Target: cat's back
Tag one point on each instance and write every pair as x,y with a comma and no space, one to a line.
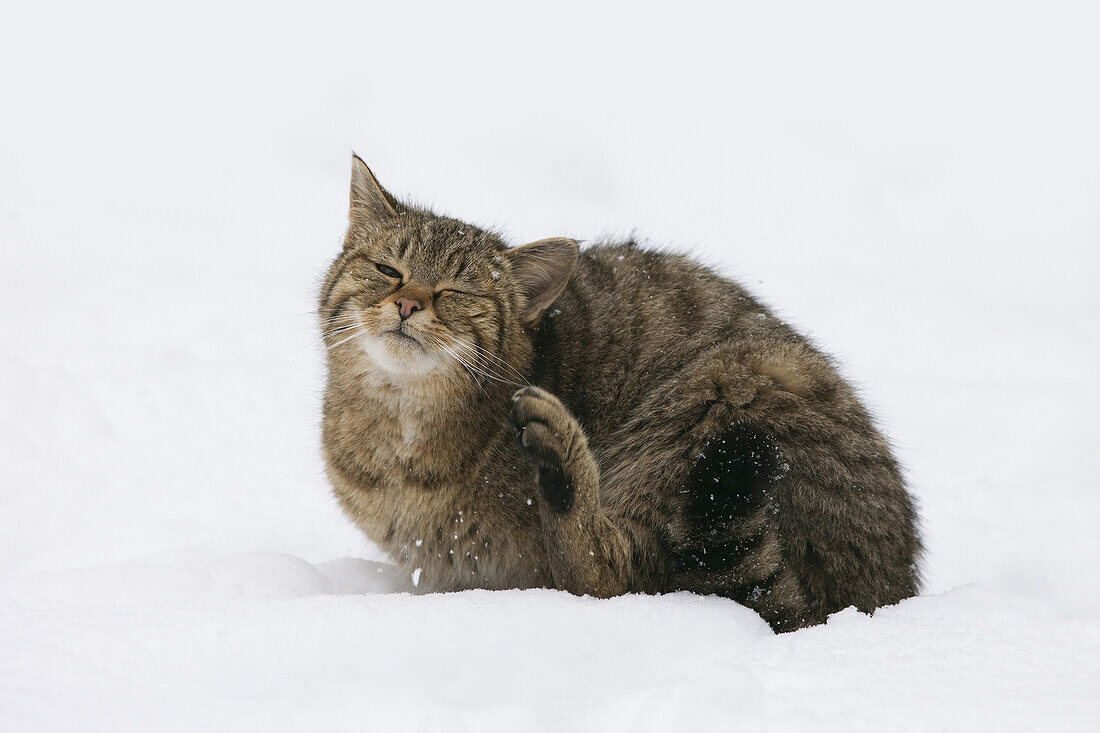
631,318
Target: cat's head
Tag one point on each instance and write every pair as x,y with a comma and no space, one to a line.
415,296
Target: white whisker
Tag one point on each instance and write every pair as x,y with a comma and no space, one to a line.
355,334
334,331
470,367
476,351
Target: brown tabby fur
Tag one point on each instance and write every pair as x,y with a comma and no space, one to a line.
672,433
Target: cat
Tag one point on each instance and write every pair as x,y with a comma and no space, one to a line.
606,421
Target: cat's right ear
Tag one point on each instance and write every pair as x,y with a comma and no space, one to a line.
370,204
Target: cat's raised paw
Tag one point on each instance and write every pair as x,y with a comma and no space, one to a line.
544,428
545,436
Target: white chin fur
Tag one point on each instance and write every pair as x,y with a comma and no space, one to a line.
396,357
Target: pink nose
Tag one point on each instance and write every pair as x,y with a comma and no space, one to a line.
408,306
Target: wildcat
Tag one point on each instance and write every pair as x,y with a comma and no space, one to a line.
609,421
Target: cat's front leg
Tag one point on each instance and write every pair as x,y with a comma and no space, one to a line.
588,552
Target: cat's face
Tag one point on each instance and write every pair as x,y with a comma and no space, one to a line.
420,294
416,295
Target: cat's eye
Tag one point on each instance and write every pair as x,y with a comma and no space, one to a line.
387,270
452,291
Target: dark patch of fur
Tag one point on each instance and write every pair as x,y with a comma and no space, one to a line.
557,488
734,474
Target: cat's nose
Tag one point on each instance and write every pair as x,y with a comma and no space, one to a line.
408,306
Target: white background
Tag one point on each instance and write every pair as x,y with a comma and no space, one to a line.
916,188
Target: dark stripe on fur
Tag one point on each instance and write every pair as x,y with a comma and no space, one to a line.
340,268
499,324
751,592
340,306
720,556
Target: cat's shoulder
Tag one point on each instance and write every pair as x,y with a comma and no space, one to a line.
631,265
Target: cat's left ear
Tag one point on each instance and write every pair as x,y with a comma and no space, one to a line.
541,270
370,204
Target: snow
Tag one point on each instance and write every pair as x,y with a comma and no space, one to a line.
914,188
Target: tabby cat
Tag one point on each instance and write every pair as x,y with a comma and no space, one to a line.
610,421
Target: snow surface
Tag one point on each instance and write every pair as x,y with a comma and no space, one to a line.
916,188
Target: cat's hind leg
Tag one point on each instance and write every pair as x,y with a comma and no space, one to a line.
730,544
840,531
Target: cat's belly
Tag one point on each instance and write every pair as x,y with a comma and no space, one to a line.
449,538
455,565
